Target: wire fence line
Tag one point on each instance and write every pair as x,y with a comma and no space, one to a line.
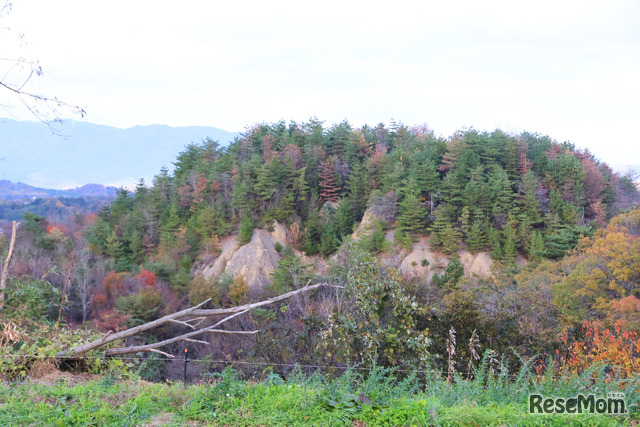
270,364
228,362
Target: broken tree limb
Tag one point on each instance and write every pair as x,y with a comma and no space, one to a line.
229,318
193,311
180,322
196,341
188,323
5,267
110,337
185,337
232,310
153,350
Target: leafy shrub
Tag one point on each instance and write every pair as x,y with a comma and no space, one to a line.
379,325
33,299
143,306
202,289
238,291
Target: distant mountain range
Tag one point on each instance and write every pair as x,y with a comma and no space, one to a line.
18,190
85,153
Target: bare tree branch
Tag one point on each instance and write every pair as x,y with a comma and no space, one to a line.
180,322
173,318
19,72
185,337
153,350
229,318
196,341
110,336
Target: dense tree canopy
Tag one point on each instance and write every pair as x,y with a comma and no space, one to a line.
516,197
511,193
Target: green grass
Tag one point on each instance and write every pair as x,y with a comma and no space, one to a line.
375,399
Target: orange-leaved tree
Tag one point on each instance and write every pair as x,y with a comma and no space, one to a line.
615,348
604,269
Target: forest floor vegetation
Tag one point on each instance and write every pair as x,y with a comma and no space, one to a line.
375,398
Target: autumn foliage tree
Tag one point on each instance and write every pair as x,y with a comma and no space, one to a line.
329,190
614,348
607,268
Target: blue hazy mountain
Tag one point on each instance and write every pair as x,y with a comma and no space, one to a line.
18,191
82,153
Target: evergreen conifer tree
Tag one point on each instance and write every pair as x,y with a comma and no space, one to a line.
449,239
328,187
246,229
344,217
465,221
412,217
477,239
494,242
509,249
536,246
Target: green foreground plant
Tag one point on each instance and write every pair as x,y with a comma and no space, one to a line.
378,396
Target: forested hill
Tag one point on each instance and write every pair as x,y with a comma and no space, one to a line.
518,203
504,193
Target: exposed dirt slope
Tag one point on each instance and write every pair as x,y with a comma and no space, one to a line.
411,263
254,261
257,259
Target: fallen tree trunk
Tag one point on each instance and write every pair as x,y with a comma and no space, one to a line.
7,261
173,318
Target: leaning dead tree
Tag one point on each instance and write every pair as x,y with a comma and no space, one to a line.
190,317
5,266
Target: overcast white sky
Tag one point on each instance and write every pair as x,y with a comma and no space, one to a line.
569,69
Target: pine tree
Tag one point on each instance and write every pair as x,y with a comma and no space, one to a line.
529,202
359,190
439,223
449,239
454,149
465,219
412,217
290,273
114,246
524,233
536,246
494,242
171,221
477,239
509,249
427,177
443,235
328,243
265,186
246,230
328,188
240,198
502,194
377,240
300,190
344,217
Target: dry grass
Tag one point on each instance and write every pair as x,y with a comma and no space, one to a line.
9,334
46,372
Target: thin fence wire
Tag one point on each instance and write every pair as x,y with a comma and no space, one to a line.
270,364
227,362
